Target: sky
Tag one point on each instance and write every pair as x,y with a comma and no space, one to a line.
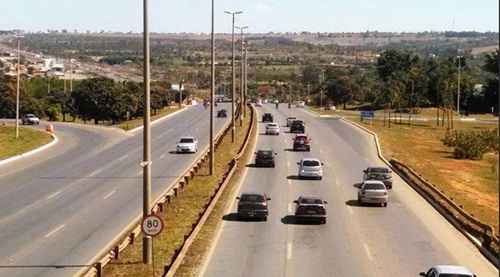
169,16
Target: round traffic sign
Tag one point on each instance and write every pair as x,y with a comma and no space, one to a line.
152,225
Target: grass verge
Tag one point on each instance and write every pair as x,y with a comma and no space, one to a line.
179,215
131,124
472,184
29,139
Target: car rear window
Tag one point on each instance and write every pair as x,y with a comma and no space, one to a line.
252,198
310,163
265,153
187,140
374,186
311,201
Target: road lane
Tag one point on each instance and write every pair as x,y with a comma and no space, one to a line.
77,193
401,240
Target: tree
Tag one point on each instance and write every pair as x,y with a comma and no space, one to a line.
491,65
340,91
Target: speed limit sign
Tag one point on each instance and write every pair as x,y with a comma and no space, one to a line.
152,225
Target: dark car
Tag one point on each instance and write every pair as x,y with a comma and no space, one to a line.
298,127
379,174
301,143
289,121
222,113
310,208
264,158
253,205
267,117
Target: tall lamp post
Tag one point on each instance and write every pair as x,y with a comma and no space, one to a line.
233,129
458,82
212,93
245,81
147,249
242,74
18,82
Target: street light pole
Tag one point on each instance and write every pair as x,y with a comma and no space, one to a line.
18,82
246,82
233,129
180,94
458,87
147,249
212,94
242,73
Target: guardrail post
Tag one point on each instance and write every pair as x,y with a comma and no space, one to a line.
486,239
98,267
117,252
132,238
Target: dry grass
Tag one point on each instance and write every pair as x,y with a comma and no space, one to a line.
131,124
179,216
29,139
473,184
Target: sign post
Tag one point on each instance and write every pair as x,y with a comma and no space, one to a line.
152,225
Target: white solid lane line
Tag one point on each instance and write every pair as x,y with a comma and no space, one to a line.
54,194
289,251
368,253
122,158
109,194
59,228
95,172
163,156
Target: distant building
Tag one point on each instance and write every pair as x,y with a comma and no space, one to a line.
175,87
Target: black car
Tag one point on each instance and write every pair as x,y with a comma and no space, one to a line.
298,127
222,113
264,158
310,208
267,117
379,174
253,205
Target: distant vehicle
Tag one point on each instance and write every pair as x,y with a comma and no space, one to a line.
448,271
289,121
30,119
310,208
272,129
380,174
301,143
310,168
265,158
267,117
266,101
373,192
258,103
300,104
298,127
187,145
253,205
222,114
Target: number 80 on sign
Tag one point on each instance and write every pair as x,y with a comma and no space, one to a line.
152,225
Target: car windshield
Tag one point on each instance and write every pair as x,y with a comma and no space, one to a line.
374,186
310,201
30,115
252,198
378,170
310,163
186,140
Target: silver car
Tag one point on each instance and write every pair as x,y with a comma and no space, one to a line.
373,192
30,119
272,129
310,168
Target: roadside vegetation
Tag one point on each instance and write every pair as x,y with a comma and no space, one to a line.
29,139
182,212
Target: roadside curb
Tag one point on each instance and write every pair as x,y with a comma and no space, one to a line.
156,121
54,141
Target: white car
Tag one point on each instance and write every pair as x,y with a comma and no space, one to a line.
448,270
272,129
30,119
187,145
300,104
310,168
373,192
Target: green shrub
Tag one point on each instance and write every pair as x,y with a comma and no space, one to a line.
449,139
471,144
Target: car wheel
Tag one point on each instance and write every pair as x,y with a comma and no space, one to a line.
320,178
264,218
323,221
385,204
360,203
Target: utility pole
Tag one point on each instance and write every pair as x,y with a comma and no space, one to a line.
212,93
70,75
322,77
458,87
233,129
242,73
246,81
147,246
308,92
180,93
18,82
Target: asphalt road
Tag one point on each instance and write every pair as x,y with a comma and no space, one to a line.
63,205
405,238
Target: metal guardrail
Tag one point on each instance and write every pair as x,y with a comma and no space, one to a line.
131,231
464,221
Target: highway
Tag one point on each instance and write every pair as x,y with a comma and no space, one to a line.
405,238
63,205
